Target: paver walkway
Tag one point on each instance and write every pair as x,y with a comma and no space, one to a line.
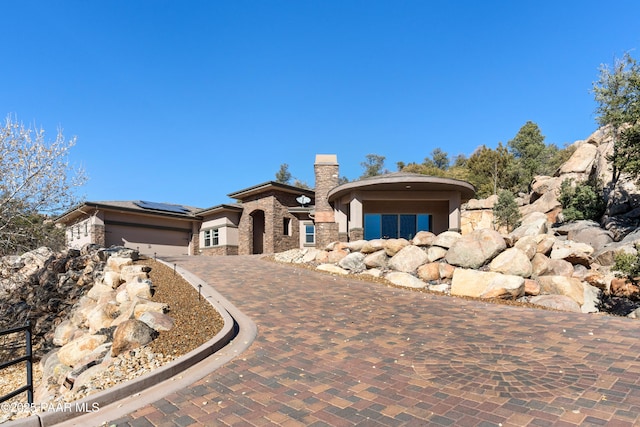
342,352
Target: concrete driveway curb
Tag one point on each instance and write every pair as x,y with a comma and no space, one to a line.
238,332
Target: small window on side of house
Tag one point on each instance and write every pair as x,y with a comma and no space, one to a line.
309,234
286,226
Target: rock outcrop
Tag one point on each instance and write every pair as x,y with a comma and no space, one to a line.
589,160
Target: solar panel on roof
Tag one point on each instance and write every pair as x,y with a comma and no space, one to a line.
165,207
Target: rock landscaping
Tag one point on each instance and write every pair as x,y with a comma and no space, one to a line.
115,317
544,261
544,269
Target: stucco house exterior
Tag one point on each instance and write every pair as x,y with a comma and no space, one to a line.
273,217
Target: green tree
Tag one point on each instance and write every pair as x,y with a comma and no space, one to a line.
581,201
36,183
373,166
530,152
506,212
488,170
439,159
283,175
617,94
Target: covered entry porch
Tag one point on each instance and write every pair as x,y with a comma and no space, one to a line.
398,205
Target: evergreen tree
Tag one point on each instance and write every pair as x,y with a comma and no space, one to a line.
283,175
530,152
506,212
617,94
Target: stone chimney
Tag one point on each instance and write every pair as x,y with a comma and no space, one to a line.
326,174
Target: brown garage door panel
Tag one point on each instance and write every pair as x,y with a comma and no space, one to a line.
148,241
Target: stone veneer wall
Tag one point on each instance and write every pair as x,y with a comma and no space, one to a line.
97,234
219,250
275,205
356,234
326,176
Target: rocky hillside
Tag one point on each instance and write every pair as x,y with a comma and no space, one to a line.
87,307
588,160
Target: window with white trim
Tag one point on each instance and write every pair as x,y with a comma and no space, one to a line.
211,237
309,234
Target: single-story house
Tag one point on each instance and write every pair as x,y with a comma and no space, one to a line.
274,217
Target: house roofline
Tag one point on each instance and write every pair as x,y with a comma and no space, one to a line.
120,206
269,185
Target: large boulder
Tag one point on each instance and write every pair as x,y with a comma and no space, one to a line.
405,280
581,161
157,321
353,262
429,272
475,249
434,253
116,263
528,245
482,284
561,285
72,352
607,254
588,232
532,224
130,273
574,252
372,246
543,266
131,334
378,259
393,246
556,302
446,239
408,259
356,245
512,261
547,203
423,238
545,184
139,288
475,219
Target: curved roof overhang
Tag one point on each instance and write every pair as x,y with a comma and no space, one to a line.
405,182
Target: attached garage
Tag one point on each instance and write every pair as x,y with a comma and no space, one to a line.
154,229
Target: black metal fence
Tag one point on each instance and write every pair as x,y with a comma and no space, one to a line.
27,357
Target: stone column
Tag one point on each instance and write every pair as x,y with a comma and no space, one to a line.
454,211
326,175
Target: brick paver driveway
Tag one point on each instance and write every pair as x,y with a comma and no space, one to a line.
341,352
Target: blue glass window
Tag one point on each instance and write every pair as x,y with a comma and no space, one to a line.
391,226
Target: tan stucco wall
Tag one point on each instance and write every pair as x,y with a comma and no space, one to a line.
227,225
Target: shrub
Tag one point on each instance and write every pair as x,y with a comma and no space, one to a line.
628,265
581,201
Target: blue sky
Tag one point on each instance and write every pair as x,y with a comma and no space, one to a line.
188,101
